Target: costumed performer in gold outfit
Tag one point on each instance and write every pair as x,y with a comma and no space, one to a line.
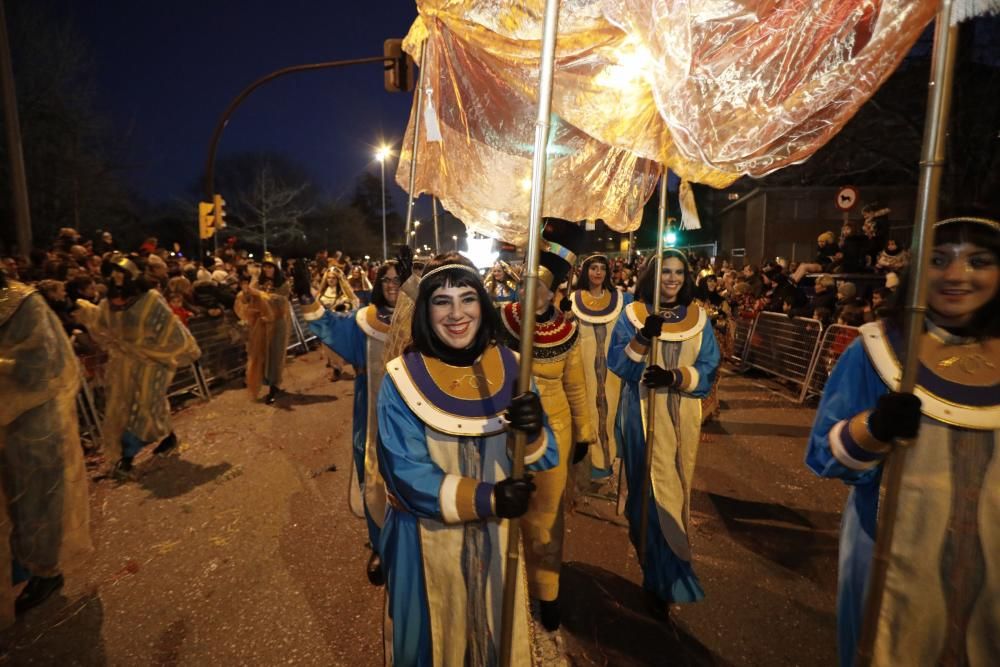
263,305
146,343
44,508
557,368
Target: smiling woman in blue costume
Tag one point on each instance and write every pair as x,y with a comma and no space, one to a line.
597,305
943,579
359,337
688,360
443,452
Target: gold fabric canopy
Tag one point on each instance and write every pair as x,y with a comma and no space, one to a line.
712,89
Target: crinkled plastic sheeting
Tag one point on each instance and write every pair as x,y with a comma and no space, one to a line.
750,87
714,90
482,95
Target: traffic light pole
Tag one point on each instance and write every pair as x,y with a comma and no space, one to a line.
245,93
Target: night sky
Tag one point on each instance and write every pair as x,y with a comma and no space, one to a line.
166,70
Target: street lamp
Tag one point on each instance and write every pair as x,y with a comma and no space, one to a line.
454,237
416,227
381,154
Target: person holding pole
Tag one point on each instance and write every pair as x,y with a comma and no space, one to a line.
557,368
939,605
445,413
688,360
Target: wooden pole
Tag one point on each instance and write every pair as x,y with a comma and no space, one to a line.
661,220
538,165
931,169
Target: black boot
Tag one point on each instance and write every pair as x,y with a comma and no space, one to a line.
38,590
374,570
272,394
549,612
169,443
123,469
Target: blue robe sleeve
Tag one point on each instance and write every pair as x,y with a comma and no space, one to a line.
410,474
341,333
853,387
619,362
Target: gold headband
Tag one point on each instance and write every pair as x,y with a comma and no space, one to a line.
986,222
446,267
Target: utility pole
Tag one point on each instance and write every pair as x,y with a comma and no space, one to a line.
18,177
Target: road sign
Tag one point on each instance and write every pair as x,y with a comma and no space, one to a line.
847,198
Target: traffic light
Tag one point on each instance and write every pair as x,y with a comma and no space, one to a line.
219,220
206,219
400,72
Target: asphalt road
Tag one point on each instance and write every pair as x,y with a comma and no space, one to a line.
241,549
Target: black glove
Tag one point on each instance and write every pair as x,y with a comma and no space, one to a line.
511,497
896,415
580,451
655,376
565,305
525,414
404,261
301,283
652,327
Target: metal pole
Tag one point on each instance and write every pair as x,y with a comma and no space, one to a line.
661,219
931,169
538,165
18,176
418,118
385,246
437,239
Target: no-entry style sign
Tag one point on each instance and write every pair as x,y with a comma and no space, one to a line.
847,197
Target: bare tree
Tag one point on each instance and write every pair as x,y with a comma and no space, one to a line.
271,212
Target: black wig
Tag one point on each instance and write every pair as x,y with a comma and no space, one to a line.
424,339
584,280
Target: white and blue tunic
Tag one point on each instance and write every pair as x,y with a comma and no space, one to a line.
443,445
688,345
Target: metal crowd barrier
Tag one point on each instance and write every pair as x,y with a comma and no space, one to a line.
303,335
223,346
835,340
785,347
744,329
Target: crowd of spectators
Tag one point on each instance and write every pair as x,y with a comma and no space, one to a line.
74,268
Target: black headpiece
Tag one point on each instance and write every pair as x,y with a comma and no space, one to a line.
560,241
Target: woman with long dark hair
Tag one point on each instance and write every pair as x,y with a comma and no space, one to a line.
943,577
358,337
444,414
597,303
687,361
